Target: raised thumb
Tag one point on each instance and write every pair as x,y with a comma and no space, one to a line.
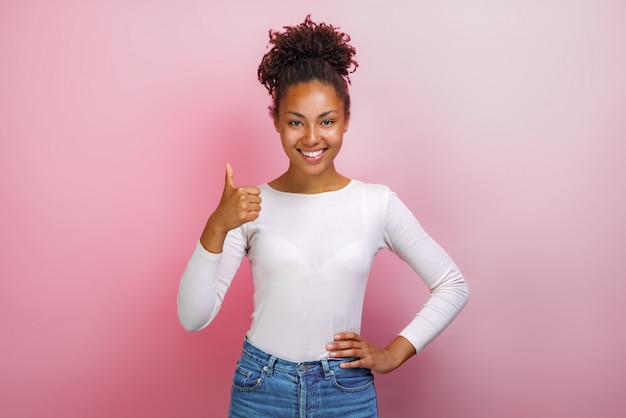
230,177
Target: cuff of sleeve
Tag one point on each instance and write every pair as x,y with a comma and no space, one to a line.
412,339
203,253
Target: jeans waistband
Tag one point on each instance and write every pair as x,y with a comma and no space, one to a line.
272,363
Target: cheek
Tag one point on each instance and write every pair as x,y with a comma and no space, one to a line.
288,140
338,137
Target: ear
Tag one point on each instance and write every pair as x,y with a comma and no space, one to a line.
345,125
276,126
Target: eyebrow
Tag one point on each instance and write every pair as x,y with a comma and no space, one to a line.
321,115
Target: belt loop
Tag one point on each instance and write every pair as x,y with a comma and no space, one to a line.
326,367
269,368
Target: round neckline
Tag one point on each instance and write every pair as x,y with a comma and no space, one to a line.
347,186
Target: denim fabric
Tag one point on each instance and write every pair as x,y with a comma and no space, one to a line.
266,386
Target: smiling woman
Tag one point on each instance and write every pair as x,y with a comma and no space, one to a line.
326,371
311,122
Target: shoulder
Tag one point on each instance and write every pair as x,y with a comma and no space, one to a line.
385,199
374,191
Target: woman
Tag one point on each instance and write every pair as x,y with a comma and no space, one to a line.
311,249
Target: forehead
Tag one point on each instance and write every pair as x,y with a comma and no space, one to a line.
312,95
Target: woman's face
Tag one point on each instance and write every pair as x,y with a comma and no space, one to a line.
311,122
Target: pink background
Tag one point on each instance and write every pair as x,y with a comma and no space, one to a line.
500,123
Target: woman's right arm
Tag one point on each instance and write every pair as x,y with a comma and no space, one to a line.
217,255
206,279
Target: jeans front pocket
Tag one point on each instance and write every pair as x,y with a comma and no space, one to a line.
352,380
248,376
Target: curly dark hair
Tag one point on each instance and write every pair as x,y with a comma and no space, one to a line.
306,52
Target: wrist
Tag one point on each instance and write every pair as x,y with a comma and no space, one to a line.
399,351
212,238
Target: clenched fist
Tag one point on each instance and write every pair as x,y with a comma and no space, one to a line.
237,206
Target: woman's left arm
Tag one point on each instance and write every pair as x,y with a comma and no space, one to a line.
449,294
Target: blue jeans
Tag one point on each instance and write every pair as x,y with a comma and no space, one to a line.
266,386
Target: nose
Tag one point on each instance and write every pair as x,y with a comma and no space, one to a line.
311,136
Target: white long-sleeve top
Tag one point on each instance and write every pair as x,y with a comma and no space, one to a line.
310,257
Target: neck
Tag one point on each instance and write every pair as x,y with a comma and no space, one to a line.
293,182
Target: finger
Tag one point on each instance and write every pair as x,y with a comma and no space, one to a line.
352,364
342,345
346,352
252,215
251,190
345,348
342,341
254,199
230,177
250,207
345,336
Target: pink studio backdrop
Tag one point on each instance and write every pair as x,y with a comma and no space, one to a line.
500,123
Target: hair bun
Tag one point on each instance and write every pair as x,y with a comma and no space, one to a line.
306,41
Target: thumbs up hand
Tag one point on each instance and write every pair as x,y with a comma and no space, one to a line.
237,206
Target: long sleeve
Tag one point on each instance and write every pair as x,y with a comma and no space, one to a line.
449,291
206,280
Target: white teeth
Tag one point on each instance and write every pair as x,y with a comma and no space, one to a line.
313,154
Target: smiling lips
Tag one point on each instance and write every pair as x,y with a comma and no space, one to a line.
313,154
